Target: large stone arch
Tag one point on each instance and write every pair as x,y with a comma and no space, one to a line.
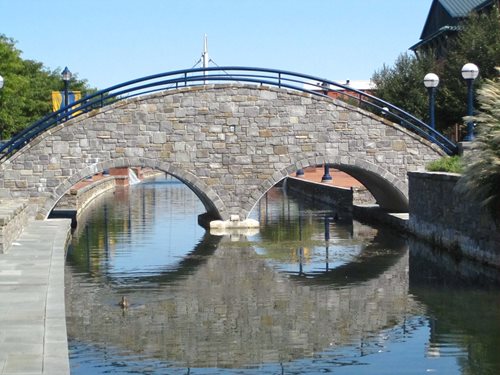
212,203
228,143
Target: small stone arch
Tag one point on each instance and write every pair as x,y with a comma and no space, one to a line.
390,192
214,206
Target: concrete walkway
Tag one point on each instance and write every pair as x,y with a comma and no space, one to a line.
33,336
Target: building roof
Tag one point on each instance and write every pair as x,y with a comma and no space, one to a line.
360,84
444,16
461,8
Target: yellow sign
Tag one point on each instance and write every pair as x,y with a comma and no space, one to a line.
58,99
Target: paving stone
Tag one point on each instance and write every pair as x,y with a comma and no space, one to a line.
33,337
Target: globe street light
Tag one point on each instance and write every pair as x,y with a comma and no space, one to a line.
1,82
431,81
66,76
469,73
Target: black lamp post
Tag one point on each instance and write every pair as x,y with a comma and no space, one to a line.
469,73
66,76
431,81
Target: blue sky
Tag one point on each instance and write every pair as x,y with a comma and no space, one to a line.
112,41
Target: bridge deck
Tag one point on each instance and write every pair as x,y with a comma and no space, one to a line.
32,313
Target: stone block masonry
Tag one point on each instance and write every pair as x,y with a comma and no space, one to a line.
439,214
14,216
78,199
228,143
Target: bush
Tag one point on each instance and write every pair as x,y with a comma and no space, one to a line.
451,164
481,178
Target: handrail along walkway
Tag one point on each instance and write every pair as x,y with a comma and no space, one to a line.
201,76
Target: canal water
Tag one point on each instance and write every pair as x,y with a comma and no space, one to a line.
306,294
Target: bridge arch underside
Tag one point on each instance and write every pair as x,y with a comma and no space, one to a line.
229,143
204,193
389,191
389,195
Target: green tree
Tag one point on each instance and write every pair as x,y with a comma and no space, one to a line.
478,41
481,179
26,95
402,84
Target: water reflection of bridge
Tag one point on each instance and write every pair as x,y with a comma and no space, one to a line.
288,320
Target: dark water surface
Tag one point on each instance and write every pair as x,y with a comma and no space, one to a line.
304,295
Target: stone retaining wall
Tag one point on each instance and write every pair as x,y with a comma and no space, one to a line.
361,195
441,215
78,199
350,202
14,216
332,196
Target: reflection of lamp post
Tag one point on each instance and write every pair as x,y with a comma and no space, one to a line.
327,239
431,81
66,76
469,73
301,260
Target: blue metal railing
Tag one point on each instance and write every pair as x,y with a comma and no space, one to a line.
200,76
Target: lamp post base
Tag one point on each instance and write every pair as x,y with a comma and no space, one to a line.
326,176
469,138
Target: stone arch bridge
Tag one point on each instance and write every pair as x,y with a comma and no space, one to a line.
229,141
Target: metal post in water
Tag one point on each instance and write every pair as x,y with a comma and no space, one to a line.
106,236
327,239
327,228
301,259
87,235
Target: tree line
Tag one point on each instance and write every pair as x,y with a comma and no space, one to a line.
26,95
477,41
27,92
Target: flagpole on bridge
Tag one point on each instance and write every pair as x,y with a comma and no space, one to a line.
204,57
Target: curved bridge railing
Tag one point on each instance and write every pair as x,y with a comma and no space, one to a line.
201,76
